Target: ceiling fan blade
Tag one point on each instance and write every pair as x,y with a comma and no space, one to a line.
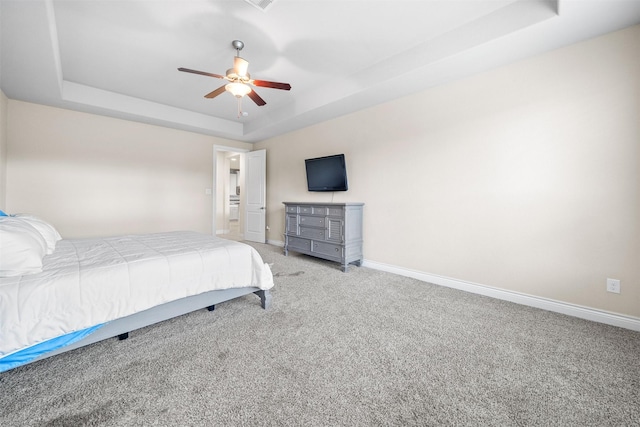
240,66
215,92
256,98
273,85
187,70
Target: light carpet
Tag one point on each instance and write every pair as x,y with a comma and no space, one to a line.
354,349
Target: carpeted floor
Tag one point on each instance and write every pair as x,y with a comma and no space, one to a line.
354,349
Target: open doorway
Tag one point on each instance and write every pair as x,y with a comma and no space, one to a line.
228,200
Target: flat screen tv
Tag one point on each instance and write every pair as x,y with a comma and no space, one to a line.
327,173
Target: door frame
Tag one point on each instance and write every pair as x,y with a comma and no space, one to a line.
216,150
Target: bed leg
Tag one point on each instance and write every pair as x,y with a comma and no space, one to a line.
265,298
211,307
123,336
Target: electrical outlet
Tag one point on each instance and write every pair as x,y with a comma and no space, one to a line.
613,285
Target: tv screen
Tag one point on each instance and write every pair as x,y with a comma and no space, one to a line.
327,173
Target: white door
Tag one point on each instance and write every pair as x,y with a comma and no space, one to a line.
256,196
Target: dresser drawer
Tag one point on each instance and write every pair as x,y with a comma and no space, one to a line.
298,243
308,210
327,249
319,210
292,209
312,233
335,212
313,210
312,221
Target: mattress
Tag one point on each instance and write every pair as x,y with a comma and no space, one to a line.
87,282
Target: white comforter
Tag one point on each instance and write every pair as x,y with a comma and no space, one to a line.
86,282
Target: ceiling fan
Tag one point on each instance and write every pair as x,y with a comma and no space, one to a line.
239,80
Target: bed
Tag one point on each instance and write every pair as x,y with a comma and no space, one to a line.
87,290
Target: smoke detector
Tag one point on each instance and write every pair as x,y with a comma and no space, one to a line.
263,5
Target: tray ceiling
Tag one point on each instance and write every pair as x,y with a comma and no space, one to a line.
120,58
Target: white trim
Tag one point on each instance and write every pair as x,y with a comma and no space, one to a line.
587,313
55,43
622,321
275,243
217,147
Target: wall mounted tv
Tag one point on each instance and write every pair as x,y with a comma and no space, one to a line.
327,173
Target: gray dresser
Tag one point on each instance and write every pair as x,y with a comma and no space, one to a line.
330,231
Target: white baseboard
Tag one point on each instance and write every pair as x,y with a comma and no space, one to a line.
582,312
222,232
275,243
587,313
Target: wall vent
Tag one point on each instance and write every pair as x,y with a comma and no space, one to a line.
263,5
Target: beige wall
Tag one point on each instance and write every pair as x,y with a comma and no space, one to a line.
91,175
3,149
524,178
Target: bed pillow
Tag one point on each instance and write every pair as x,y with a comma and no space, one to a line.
22,248
48,231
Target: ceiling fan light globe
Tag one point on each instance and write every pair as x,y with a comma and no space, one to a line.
238,89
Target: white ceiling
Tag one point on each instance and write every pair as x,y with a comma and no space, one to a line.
120,57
